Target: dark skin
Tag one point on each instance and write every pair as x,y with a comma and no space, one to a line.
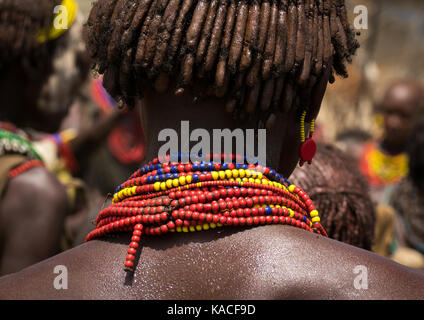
46,201
22,221
21,91
268,262
51,202
400,106
88,140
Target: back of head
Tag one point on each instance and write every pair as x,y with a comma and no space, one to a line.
403,102
42,61
260,57
341,196
20,24
409,90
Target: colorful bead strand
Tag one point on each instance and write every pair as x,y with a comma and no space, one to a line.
25,167
308,147
12,143
175,197
302,127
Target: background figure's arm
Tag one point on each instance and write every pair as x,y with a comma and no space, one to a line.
88,140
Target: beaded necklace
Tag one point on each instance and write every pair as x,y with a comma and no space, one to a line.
382,169
25,167
12,143
15,141
176,197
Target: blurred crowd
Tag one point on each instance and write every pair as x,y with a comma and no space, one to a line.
74,143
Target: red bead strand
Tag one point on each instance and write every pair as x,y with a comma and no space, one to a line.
25,167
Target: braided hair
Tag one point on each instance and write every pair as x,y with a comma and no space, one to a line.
261,56
341,196
20,22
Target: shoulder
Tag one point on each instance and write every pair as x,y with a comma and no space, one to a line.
38,179
36,183
44,195
269,262
273,262
88,271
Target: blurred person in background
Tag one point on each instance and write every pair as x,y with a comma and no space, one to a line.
116,157
122,151
341,194
408,201
352,142
384,162
33,202
41,70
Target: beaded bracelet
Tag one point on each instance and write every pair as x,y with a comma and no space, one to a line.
176,197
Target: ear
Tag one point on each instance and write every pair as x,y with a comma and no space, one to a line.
318,94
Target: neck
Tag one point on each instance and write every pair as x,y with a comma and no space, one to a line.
161,198
200,123
392,149
183,121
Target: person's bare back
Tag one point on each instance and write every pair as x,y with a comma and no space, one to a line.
267,262
282,94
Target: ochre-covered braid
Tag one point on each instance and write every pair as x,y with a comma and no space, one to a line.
176,197
255,54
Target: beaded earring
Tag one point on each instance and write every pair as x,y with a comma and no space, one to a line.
308,147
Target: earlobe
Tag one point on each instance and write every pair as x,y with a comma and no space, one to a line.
318,94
